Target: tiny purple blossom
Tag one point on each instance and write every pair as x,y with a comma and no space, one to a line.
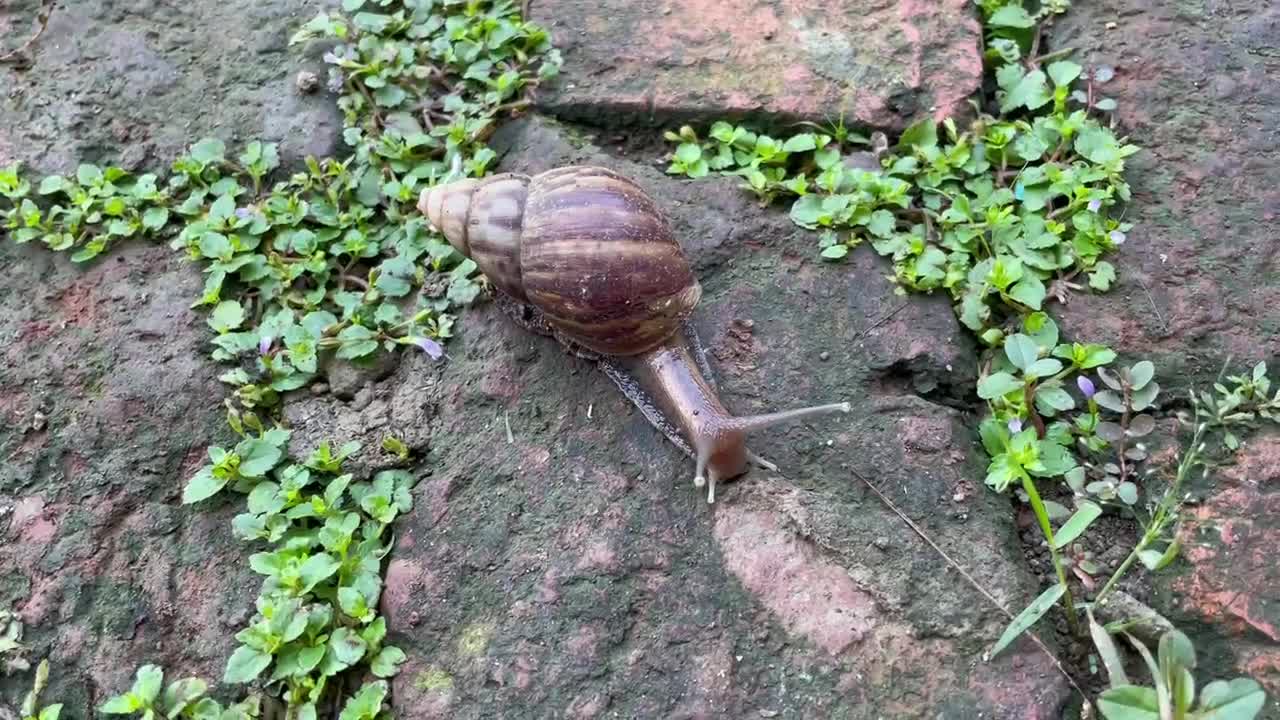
1095,205
1015,426
243,212
330,58
1118,237
430,347
264,345
1086,386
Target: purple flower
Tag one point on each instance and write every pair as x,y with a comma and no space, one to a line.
1015,426
1086,386
1117,237
430,347
1095,205
330,58
264,345
243,212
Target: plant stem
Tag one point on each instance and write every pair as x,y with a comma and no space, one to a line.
1036,420
1166,511
1043,516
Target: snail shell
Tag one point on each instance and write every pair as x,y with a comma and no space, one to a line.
585,245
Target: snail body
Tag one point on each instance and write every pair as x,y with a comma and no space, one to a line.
589,258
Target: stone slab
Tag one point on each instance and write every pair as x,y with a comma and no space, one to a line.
1199,275
875,63
136,83
574,571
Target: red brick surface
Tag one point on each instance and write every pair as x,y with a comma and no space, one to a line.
874,63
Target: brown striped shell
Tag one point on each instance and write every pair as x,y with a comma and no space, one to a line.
585,245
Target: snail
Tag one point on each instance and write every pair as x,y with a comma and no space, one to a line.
584,255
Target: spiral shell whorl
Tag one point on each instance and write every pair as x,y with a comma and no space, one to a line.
599,258
483,219
584,245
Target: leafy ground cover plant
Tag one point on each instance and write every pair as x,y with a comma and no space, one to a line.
1172,695
322,576
329,263
1016,212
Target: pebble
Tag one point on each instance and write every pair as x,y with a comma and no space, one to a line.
824,355
306,82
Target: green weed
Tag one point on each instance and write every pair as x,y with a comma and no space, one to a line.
1017,211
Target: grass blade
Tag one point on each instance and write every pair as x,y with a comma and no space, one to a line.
1028,617
1076,524
1107,650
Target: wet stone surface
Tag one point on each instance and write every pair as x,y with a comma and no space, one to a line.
1199,279
135,82
106,403
879,64
575,571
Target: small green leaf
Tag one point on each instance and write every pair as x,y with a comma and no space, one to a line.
1176,649
387,662
1084,515
1063,72
258,457
126,704
182,693
922,135
1029,291
1102,276
800,143
1014,16
1043,368
1141,373
881,223
53,184
1129,702
835,252
1054,398
389,96
346,648
1028,617
316,569
245,664
147,683
1155,560
1021,351
998,385
155,218
226,316
203,485
357,341
89,175
365,704
209,150
1239,699
688,153
1022,90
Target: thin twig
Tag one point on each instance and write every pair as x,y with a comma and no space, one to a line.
1163,325
881,321
990,598
18,54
